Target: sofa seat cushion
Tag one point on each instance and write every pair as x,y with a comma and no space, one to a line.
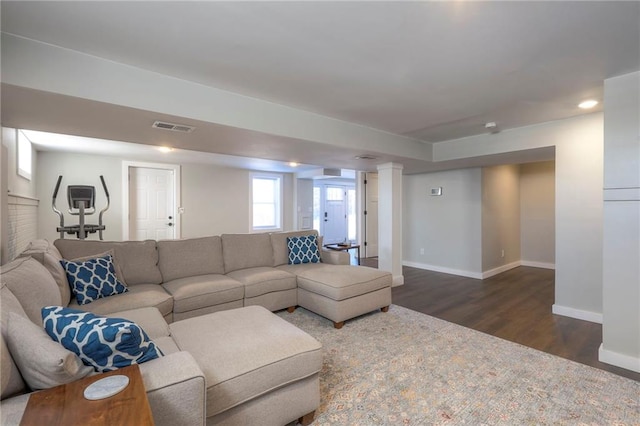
245,353
339,282
138,296
150,319
263,280
203,291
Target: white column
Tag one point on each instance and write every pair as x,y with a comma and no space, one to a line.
390,220
621,232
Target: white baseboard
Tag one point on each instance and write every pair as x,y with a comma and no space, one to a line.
619,360
577,313
500,269
397,280
469,274
538,264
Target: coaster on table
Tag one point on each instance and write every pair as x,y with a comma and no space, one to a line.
104,388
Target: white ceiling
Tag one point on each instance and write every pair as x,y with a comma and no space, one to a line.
433,71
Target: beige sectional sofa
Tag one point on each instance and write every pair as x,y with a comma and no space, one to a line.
205,302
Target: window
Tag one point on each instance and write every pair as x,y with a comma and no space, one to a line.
24,156
266,196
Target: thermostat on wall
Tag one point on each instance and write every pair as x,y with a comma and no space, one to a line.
436,191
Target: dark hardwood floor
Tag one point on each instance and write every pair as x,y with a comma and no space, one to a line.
515,305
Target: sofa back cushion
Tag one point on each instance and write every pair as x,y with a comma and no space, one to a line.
190,257
32,285
46,253
241,251
138,260
279,244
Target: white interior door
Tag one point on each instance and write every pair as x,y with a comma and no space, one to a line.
335,214
151,204
371,216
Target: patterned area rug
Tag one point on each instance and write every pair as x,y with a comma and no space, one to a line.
407,368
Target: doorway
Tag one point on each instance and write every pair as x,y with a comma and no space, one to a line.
334,211
151,201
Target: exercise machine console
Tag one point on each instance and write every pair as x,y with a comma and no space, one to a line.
81,199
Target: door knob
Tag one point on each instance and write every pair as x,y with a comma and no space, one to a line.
170,224
170,217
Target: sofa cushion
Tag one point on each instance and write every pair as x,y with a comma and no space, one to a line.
93,279
190,257
12,381
339,282
42,362
138,259
303,250
32,285
138,296
193,293
46,253
279,244
150,319
263,280
241,251
104,343
245,353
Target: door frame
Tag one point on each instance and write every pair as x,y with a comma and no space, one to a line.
126,165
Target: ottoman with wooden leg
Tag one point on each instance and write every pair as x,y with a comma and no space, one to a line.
341,292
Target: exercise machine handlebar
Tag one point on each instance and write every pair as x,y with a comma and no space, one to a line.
53,205
106,191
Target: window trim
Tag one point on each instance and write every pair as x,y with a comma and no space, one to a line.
279,203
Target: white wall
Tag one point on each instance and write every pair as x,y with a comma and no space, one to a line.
500,218
578,143
78,169
447,227
19,201
621,248
216,199
579,174
537,214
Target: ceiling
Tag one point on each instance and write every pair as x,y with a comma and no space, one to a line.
432,71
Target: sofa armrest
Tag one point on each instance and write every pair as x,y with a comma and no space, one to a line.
12,409
335,257
176,389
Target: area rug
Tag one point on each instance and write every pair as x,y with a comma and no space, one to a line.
407,368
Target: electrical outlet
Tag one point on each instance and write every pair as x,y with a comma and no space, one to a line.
502,254
421,251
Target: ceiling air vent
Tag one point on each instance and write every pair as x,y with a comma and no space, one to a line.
365,157
173,127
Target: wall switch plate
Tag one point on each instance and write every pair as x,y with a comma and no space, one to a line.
421,251
436,191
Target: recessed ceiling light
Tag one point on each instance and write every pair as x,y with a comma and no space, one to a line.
165,149
293,164
587,104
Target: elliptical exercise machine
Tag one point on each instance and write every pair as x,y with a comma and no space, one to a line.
81,200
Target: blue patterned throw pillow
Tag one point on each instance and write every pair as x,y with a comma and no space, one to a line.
303,249
104,343
92,279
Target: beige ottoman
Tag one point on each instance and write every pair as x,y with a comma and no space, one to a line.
342,292
259,368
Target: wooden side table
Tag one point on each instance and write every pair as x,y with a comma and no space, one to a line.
66,404
339,247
